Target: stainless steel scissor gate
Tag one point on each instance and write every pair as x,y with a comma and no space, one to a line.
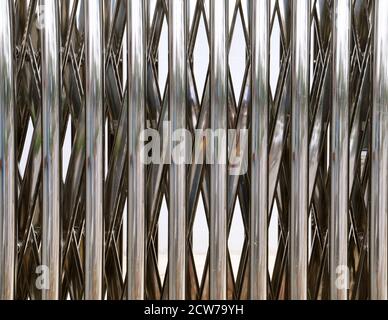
80,210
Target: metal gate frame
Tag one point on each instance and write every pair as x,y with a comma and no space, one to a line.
318,149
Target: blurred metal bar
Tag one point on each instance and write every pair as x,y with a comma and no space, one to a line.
379,150
218,125
340,150
7,155
94,252
177,20
259,150
299,147
136,124
51,158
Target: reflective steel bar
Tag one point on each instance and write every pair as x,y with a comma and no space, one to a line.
7,156
136,124
340,149
379,149
177,114
259,150
94,253
51,109
218,124
299,148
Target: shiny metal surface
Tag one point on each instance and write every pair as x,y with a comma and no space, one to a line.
94,162
379,149
177,179
260,20
81,215
136,170
299,148
51,156
218,123
339,156
7,156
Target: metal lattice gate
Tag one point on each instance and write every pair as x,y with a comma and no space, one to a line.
79,208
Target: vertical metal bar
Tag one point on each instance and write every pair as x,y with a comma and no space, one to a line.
299,148
7,156
177,115
94,149
340,149
218,143
379,152
136,170
51,175
259,150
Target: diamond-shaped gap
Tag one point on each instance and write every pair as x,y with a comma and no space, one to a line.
124,240
245,12
163,240
163,57
364,154
66,150
237,56
310,233
312,54
106,147
236,238
151,10
124,55
26,148
201,58
328,147
273,238
192,5
231,10
275,45
272,6
206,6
200,240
